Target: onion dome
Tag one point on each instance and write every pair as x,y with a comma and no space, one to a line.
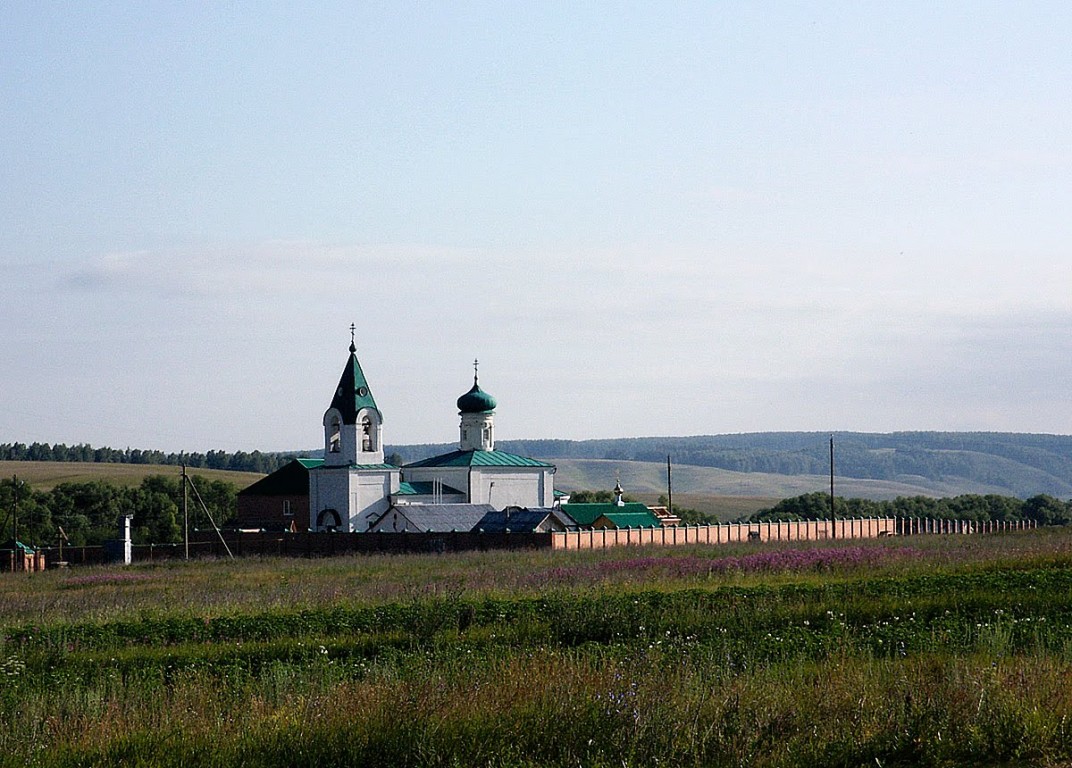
476,400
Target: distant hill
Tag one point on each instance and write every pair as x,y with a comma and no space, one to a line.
762,464
46,475
779,464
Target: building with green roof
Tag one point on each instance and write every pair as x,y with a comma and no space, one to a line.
587,514
485,475
353,484
353,487
637,519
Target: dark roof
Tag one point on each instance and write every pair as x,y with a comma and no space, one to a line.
520,519
353,392
441,518
586,514
292,479
478,459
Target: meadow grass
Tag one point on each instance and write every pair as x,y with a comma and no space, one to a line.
917,651
46,475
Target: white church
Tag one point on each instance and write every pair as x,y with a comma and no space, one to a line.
355,490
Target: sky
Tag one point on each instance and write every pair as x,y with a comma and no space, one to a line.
644,219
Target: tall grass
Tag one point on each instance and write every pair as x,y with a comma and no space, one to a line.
916,652
572,708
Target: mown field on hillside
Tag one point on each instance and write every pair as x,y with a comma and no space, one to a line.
639,477
45,475
913,651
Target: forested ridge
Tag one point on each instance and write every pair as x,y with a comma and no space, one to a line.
239,461
1019,464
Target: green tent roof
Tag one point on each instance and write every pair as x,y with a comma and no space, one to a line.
353,392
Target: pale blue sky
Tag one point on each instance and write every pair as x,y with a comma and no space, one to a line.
657,218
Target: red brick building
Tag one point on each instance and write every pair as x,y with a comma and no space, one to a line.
280,501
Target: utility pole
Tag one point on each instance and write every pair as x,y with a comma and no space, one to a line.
185,514
669,487
833,520
15,513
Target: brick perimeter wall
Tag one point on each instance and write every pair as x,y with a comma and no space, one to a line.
307,544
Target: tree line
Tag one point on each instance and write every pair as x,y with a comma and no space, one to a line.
1042,508
88,512
239,461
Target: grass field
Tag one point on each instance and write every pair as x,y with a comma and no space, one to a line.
650,477
915,651
724,508
45,475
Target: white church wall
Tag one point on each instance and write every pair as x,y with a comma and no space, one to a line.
329,488
356,495
368,497
452,477
521,487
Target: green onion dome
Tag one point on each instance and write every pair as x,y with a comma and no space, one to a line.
476,400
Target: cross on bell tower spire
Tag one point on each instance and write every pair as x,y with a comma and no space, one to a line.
353,328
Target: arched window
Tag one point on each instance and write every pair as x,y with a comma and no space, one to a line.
335,440
366,434
328,520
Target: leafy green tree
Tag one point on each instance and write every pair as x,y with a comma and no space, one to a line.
220,498
155,520
1046,510
31,521
809,506
596,497
89,511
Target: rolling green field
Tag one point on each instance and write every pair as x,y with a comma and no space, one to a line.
641,477
913,651
45,475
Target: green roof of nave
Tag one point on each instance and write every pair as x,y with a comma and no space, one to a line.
479,459
353,392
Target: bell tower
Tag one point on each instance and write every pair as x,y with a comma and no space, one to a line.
353,425
353,485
